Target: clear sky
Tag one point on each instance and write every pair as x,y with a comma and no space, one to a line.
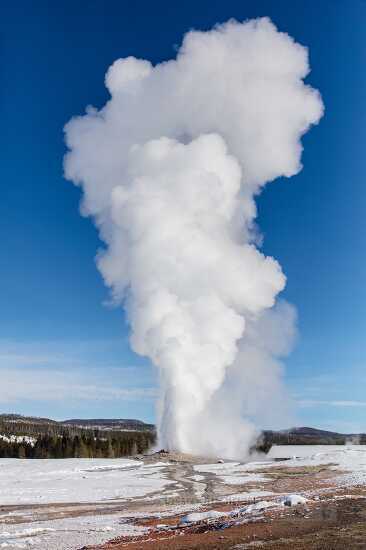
63,351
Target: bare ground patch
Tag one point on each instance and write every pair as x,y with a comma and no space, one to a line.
327,525
333,517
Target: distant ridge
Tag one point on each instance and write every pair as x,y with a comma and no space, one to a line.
313,432
19,418
309,436
118,424
302,435
35,437
109,423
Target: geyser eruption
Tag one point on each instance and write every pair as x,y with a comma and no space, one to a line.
170,167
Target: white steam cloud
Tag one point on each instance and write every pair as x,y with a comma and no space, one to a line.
169,168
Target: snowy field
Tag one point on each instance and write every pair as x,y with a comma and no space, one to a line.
303,451
347,458
77,480
65,504
71,481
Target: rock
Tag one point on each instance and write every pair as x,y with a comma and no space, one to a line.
293,500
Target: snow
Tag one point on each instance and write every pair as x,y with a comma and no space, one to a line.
306,451
350,459
197,477
214,514
201,516
159,514
68,533
231,473
258,507
241,480
216,468
108,482
96,480
293,500
250,495
345,458
18,439
106,487
76,480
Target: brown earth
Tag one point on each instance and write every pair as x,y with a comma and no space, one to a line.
334,518
337,524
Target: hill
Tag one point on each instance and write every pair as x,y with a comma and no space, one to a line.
126,424
40,437
20,419
33,437
307,436
20,423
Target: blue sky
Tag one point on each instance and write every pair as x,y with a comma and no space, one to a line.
63,351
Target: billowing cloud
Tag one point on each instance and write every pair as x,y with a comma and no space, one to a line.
170,167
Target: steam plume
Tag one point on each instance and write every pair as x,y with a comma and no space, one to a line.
169,168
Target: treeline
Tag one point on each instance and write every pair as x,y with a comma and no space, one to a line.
33,429
85,445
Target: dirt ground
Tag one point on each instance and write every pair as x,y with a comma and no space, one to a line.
330,525
334,518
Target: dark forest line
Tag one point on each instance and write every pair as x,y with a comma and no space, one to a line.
78,446
28,437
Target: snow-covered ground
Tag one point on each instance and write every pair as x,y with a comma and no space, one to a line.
69,533
40,482
65,504
77,480
232,473
347,458
306,451
18,439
